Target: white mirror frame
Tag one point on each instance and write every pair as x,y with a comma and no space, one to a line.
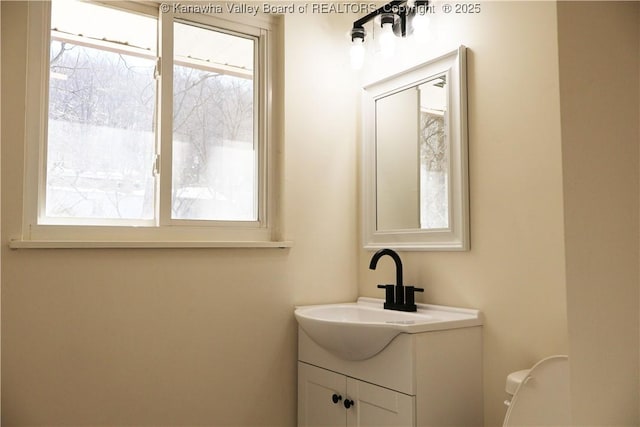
456,237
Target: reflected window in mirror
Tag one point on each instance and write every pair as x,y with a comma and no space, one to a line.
434,155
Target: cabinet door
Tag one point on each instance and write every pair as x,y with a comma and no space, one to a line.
316,390
379,406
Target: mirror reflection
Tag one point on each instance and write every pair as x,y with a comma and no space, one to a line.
412,157
415,158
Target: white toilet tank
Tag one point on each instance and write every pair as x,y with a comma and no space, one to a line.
540,394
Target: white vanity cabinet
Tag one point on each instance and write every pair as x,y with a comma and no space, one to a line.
418,380
326,398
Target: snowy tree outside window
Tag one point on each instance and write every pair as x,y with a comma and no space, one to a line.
103,108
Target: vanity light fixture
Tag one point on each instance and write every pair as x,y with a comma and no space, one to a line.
398,18
357,49
387,38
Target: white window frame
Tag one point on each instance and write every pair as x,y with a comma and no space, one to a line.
165,232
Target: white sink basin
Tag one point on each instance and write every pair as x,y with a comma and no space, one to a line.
360,330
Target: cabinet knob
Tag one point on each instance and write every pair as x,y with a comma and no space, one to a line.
348,403
336,398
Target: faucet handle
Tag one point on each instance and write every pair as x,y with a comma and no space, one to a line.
410,297
388,293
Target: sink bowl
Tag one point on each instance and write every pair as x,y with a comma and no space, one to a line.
360,330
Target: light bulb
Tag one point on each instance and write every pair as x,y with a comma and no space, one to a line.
357,53
421,30
387,40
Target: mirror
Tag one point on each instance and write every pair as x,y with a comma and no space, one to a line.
415,158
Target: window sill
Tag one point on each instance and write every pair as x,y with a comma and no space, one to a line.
82,244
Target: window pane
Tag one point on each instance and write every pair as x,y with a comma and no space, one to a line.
100,146
214,149
104,23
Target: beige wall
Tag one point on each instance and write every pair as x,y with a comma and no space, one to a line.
182,337
599,82
156,337
514,272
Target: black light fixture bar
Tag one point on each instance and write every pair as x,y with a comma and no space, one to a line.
398,8
387,8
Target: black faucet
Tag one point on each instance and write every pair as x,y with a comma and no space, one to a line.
400,299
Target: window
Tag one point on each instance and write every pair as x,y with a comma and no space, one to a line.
100,140
147,126
214,156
